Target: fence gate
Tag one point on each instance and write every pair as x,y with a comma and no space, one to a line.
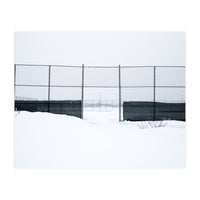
101,90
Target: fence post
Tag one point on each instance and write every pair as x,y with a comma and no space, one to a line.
119,93
14,84
49,88
154,93
82,95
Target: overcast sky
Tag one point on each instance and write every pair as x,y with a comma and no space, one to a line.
96,49
100,48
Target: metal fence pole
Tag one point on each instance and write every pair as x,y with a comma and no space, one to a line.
119,93
49,88
82,94
14,84
154,93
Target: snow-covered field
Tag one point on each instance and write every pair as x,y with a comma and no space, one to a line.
44,140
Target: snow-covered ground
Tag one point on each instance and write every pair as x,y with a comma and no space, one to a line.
44,140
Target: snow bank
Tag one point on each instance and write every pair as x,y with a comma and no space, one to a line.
44,140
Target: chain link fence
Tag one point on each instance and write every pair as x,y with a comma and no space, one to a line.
139,92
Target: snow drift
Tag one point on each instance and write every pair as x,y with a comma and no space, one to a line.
44,140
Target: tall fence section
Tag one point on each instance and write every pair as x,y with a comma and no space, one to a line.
58,89
152,93
140,92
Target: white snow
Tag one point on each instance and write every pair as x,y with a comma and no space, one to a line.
44,140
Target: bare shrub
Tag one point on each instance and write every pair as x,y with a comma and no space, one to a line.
152,124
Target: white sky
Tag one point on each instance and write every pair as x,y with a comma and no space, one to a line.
100,48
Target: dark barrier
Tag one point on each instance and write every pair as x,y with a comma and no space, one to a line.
144,111
72,108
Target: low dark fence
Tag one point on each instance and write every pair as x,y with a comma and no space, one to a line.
149,111
73,108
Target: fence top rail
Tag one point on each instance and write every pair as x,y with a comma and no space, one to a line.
103,67
138,66
38,65
87,66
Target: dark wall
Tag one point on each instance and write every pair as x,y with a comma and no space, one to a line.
144,111
72,108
